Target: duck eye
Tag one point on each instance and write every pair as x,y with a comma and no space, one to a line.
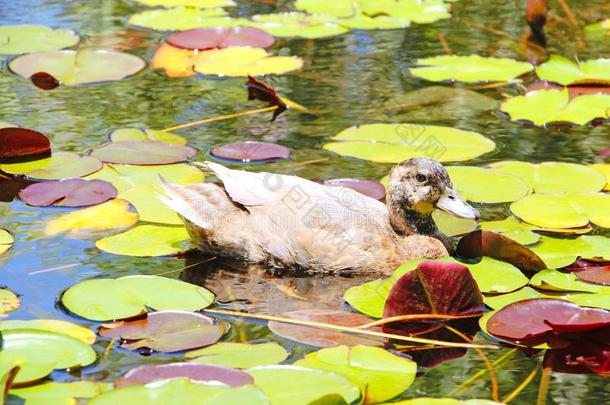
420,177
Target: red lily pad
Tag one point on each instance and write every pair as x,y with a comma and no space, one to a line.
533,321
369,188
22,142
591,271
167,331
143,153
321,337
198,372
220,37
575,90
587,355
486,243
68,193
432,288
44,81
250,152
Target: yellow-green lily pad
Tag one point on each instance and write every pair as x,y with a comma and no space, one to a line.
561,252
239,355
487,186
604,169
393,143
584,299
17,39
514,229
147,241
188,3
150,208
59,165
6,240
337,8
559,69
419,11
244,61
182,19
59,393
295,24
52,325
151,135
9,301
555,280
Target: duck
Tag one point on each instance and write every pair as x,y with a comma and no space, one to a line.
289,222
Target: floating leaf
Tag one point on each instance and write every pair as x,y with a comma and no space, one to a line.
182,391
6,240
595,274
143,153
182,18
487,186
542,107
393,143
149,206
419,11
68,193
320,337
195,372
244,61
512,228
59,392
604,169
60,165
598,30
9,301
147,241
574,90
151,135
250,151
175,61
16,39
51,325
44,81
369,188
79,67
239,355
559,69
555,280
113,214
369,298
444,401
551,177
188,3
220,37
297,385
569,210
38,353
126,297
295,24
469,69
380,22
451,225
584,299
560,252
338,8
22,142
379,374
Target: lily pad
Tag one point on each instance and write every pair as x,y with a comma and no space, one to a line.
487,186
60,165
38,353
195,372
220,37
296,385
59,392
147,241
113,214
149,206
552,177
555,280
604,169
126,297
151,135
419,11
79,67
451,225
564,210
6,240
188,3
393,143
379,374
599,30
22,142
17,39
9,301
542,107
52,325
143,153
174,61
166,331
369,188
514,229
469,69
182,18
250,152
360,21
295,24
244,61
239,355
559,69
561,252
337,8
68,193
44,81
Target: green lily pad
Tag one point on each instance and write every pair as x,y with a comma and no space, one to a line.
381,22
188,3
513,228
17,39
487,186
244,61
564,210
38,353
494,276
296,385
555,280
451,225
469,69
6,240
369,298
182,19
558,252
126,177
419,11
79,67
542,107
379,374
393,143
51,325
337,8
147,241
126,297
554,177
151,135
58,166
564,71
598,31
295,24
59,393
150,208
604,169
9,301
182,391
584,299
239,355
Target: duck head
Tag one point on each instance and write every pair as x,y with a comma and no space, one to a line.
416,187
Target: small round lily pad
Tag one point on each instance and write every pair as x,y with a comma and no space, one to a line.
250,152
68,193
220,37
147,241
143,153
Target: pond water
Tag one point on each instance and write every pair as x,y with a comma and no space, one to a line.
346,80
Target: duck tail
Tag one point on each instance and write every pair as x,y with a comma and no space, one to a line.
185,202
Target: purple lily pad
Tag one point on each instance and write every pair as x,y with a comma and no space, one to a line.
250,152
198,372
220,37
68,193
369,188
143,153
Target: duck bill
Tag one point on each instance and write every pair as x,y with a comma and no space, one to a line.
452,203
